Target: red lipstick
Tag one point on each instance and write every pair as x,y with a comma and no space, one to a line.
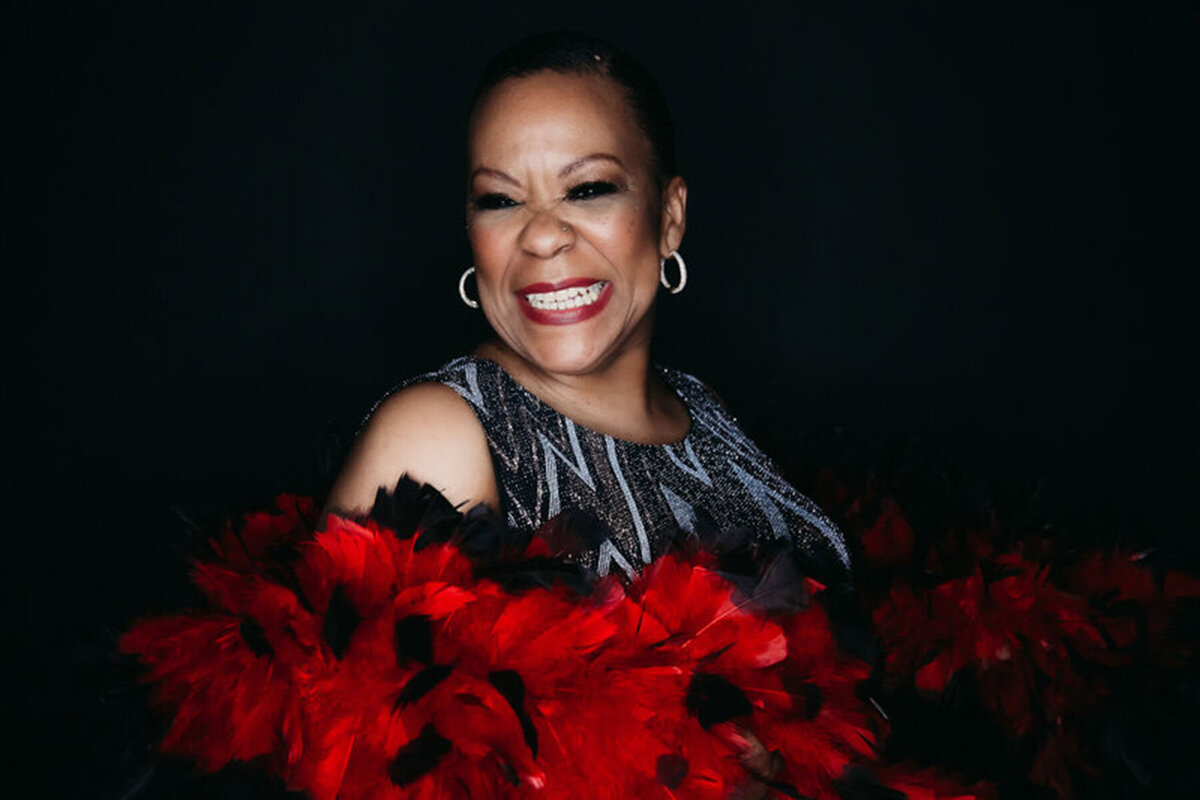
563,316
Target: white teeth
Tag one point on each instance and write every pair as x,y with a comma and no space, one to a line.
563,299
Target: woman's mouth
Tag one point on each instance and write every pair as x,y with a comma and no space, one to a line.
564,302
574,297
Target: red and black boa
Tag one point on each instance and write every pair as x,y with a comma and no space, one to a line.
420,653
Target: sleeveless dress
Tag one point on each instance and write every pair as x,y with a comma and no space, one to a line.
716,478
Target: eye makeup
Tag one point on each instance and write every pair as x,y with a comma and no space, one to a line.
588,190
492,201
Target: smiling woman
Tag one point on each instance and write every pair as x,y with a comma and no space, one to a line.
564,195
573,212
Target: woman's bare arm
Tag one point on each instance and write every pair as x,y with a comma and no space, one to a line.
428,432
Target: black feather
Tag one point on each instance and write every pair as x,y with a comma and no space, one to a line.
486,536
412,508
777,587
734,547
573,532
418,757
413,638
254,636
510,686
671,770
341,621
787,790
851,624
712,700
953,730
538,572
422,684
859,783
813,697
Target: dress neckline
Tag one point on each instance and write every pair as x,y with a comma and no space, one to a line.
667,375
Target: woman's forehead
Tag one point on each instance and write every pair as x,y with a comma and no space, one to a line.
550,113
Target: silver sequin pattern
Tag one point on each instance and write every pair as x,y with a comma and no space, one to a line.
643,493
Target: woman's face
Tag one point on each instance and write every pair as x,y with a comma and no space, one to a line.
566,220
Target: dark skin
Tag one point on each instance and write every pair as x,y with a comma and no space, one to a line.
562,186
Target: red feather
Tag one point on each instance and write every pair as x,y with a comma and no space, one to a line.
889,540
228,701
1002,629
255,542
543,693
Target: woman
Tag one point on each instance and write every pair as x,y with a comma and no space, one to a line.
574,213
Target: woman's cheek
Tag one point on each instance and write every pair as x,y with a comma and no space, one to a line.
491,245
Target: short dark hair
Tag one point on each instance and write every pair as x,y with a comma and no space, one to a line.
580,53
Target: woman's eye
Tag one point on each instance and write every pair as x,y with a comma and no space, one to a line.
491,202
586,191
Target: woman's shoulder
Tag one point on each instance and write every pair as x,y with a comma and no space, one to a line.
430,406
425,428
459,376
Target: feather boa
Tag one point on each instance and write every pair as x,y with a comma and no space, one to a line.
421,654
1010,653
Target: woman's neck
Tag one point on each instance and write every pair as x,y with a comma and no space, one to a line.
625,398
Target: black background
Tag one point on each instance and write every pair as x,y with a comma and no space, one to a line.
230,226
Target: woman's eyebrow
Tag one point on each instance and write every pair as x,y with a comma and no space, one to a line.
564,172
579,162
496,173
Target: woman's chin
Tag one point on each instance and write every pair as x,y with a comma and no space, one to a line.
566,358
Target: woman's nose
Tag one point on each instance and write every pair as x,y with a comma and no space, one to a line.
546,235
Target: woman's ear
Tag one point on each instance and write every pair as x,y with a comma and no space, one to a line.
674,216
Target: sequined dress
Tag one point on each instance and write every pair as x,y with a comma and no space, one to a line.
715,478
